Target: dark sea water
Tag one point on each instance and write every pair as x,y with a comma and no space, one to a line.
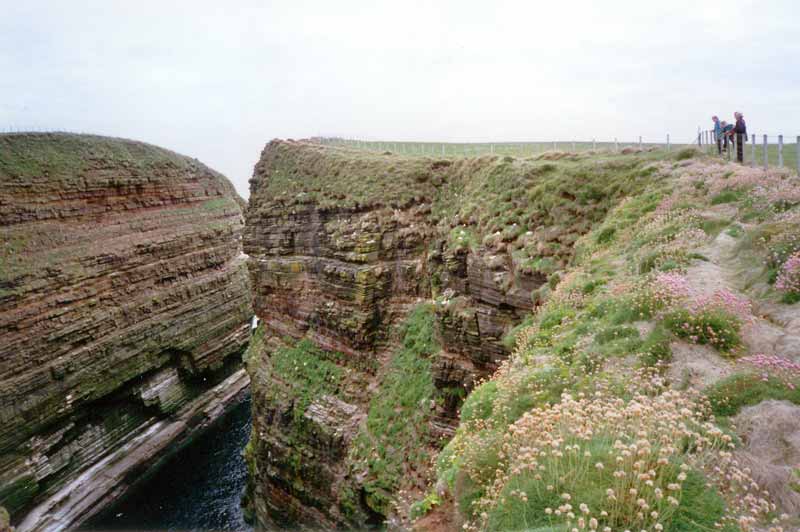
198,489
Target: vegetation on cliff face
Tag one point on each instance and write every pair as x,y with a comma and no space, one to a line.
535,208
393,449
612,413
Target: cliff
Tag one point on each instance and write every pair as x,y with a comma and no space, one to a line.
386,286
124,308
656,388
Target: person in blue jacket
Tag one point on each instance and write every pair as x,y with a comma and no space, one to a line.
717,133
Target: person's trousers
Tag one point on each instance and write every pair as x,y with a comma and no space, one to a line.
739,148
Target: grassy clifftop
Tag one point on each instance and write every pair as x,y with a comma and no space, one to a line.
632,398
63,158
501,203
604,245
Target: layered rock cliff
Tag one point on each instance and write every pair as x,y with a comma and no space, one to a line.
124,309
386,285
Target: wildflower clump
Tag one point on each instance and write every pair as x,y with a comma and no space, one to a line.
772,366
599,461
788,280
661,291
664,242
714,319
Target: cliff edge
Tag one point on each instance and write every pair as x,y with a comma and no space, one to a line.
388,287
124,307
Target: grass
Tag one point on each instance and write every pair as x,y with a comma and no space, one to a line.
558,149
473,149
534,207
730,395
656,349
699,509
727,196
532,149
790,298
36,169
710,326
586,322
308,372
392,443
64,156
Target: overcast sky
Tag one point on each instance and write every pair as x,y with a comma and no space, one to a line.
217,80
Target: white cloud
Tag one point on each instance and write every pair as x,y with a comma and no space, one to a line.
217,80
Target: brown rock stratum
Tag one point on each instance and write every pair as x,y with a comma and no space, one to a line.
341,245
124,304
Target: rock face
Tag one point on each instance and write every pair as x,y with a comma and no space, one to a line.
342,245
124,299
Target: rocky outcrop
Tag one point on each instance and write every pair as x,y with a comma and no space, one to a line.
124,300
342,244
118,470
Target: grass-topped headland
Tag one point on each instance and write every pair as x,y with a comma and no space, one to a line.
61,194
612,412
533,207
68,156
124,299
649,274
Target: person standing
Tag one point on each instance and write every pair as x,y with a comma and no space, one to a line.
741,136
717,133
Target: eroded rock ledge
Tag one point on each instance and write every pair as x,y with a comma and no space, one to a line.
343,245
123,300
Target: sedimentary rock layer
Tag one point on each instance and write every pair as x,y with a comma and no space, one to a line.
110,478
342,244
123,297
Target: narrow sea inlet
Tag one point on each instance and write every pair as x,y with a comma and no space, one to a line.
198,489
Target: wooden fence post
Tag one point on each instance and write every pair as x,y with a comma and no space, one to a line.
616,144
640,142
780,151
798,154
667,141
554,146
594,144
766,154
753,151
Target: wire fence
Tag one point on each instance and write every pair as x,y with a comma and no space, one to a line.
519,149
757,150
765,150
